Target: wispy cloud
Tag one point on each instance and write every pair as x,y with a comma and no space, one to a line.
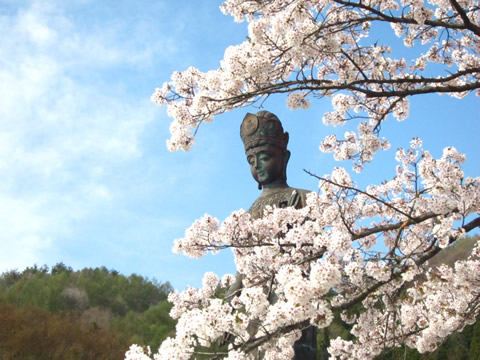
63,130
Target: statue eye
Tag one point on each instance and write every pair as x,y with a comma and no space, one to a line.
250,160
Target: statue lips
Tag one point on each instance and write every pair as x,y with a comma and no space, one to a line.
262,176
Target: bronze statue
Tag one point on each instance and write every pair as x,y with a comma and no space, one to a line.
266,150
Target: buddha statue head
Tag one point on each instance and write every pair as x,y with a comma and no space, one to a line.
266,149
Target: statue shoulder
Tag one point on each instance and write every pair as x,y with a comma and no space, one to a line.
298,197
302,192
281,198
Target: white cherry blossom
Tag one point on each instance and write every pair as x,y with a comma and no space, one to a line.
301,266
367,248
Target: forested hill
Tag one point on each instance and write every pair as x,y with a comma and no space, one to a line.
61,314
96,313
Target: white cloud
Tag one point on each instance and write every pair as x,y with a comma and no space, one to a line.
23,236
62,127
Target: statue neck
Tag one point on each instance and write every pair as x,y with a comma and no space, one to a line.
274,185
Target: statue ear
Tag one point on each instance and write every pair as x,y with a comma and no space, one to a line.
286,157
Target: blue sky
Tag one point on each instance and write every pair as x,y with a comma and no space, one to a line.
86,176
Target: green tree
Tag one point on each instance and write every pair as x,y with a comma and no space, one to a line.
108,310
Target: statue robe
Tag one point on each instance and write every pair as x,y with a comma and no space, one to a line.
306,347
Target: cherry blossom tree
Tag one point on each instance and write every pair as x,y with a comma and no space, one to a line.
361,253
321,48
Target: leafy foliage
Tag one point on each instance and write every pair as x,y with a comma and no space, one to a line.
36,334
86,314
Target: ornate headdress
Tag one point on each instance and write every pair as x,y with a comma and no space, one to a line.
262,128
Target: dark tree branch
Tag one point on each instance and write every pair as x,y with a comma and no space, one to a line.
422,90
433,23
461,11
361,86
427,256
361,192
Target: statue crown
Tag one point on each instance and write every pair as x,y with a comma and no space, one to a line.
263,128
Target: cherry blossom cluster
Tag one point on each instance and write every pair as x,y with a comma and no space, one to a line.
346,247
421,317
317,48
360,147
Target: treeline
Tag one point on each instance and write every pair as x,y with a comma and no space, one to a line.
96,313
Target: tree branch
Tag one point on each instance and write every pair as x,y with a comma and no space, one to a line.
361,192
360,86
461,11
428,255
433,23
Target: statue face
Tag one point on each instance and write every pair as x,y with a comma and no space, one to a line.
267,164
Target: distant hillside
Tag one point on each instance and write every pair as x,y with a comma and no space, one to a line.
96,313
